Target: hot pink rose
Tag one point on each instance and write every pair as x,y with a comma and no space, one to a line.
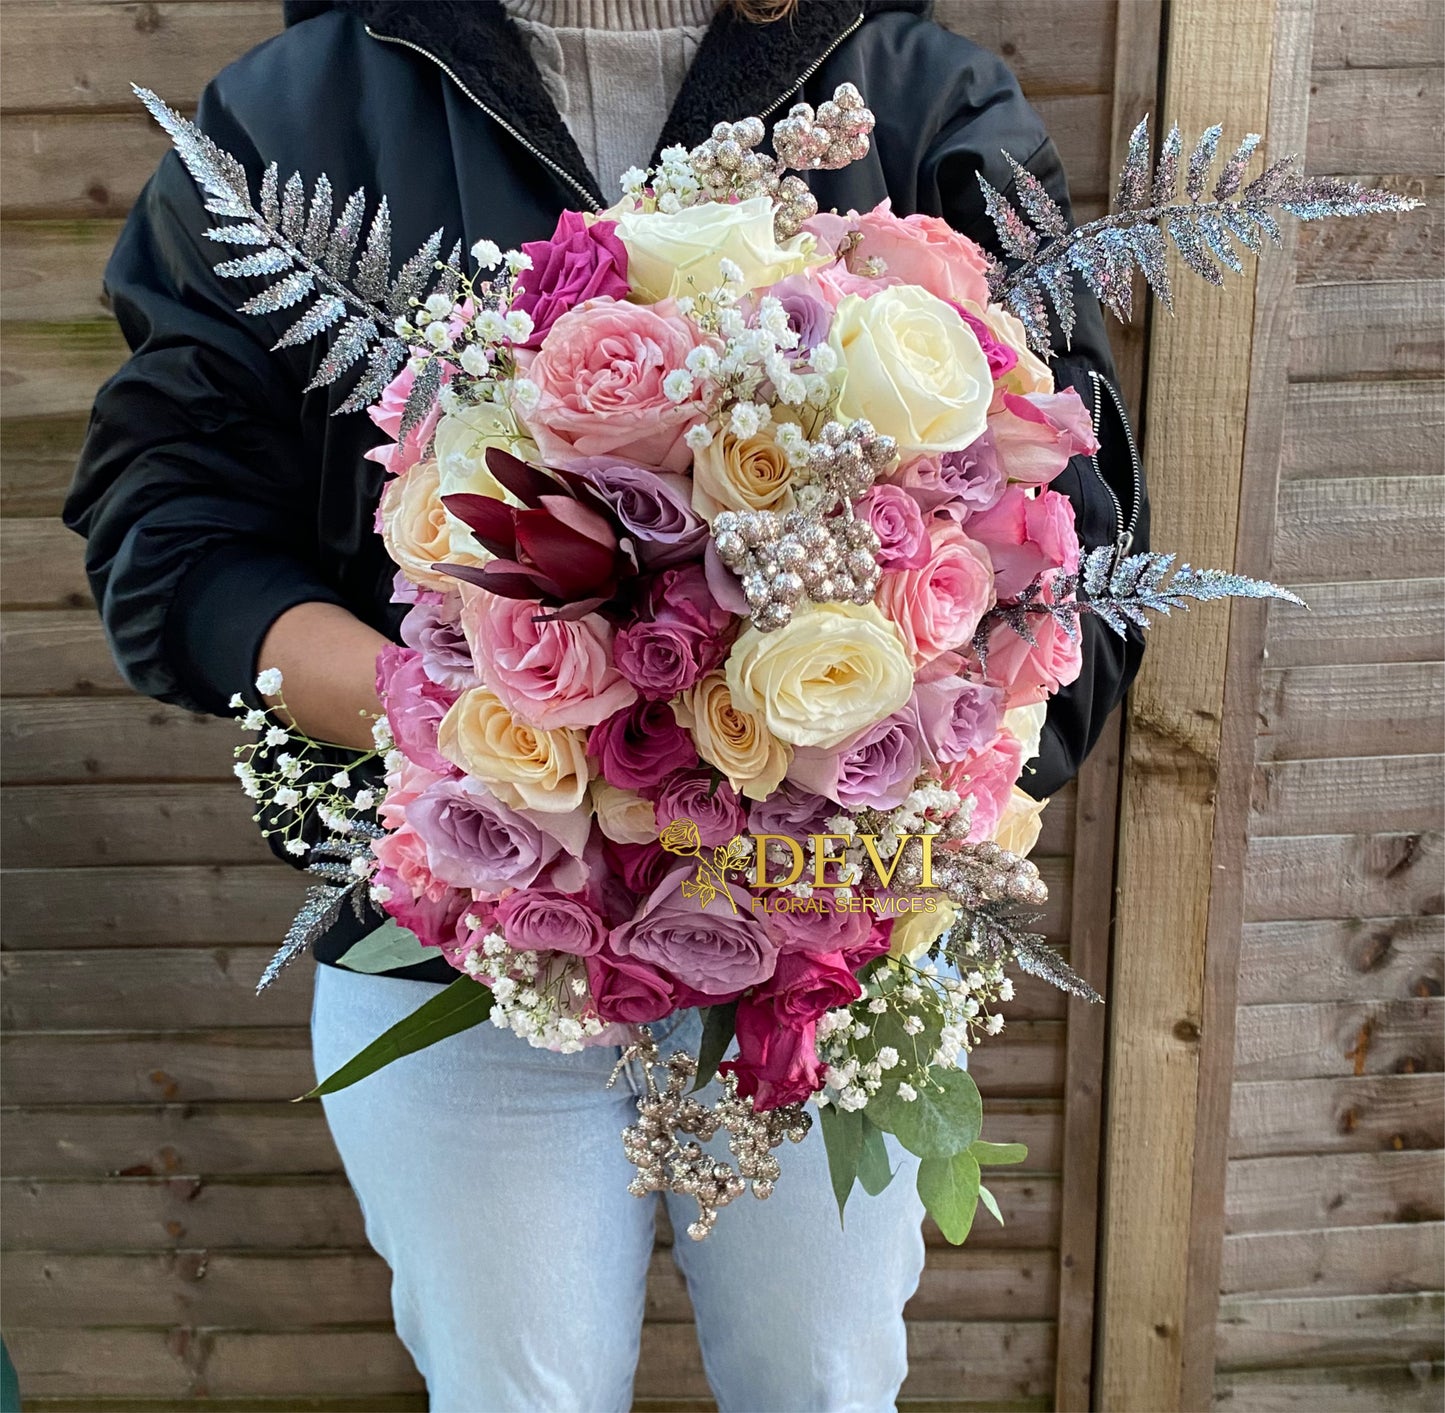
895,516
1036,433
640,745
937,607
1001,358
1032,673
923,250
580,262
548,672
775,1065
1025,536
544,920
989,776
808,984
600,375
414,706
710,804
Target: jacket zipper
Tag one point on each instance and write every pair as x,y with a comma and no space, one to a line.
811,69
1125,541
500,121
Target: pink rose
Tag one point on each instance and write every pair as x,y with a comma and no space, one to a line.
402,854
835,282
548,672
386,412
544,920
923,250
414,706
580,262
629,990
600,375
989,776
1030,674
898,522
831,929
1037,433
806,985
710,804
680,634
640,745
1001,358
1026,536
937,607
775,1065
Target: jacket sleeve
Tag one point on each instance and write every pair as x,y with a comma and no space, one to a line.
1108,491
195,491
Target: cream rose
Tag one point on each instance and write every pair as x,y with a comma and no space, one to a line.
417,530
915,932
624,816
682,252
1026,725
737,742
523,767
834,669
463,438
1019,825
748,473
912,366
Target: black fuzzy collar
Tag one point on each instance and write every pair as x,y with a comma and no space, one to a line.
741,68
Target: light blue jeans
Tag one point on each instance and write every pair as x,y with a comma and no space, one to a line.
492,1179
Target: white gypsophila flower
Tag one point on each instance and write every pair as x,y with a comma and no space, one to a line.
913,1025
296,847
341,780
381,736
490,326
744,420
823,359
519,325
632,181
685,304
730,270
268,683
254,720
995,1024
439,306
878,1006
474,361
853,1098
365,799
1006,989
277,736
677,385
487,254
517,261
669,203
287,796
361,865
237,702
525,393
380,893
887,1057
401,326
907,1093
861,1030
438,336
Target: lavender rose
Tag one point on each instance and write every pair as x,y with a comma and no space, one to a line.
808,316
958,717
958,483
435,631
580,262
792,812
711,805
874,769
543,920
680,634
655,508
895,516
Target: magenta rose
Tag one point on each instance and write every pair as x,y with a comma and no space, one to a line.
655,508
581,261
628,990
433,628
1001,358
805,985
414,706
680,633
875,944
710,804
898,522
1026,536
873,769
716,951
641,867
638,747
775,1065
833,928
543,920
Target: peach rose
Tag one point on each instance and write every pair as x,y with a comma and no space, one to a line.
600,375
937,607
925,251
417,530
749,473
1031,673
737,742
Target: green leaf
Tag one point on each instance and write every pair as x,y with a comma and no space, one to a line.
843,1138
385,948
875,1172
998,1154
945,1118
718,1027
456,1008
991,1202
949,1188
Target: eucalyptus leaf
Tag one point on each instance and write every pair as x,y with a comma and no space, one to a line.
458,1007
386,948
718,1027
949,1188
875,1172
998,1154
945,1117
843,1138
991,1202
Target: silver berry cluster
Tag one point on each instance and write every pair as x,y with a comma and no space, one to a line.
833,136
666,1164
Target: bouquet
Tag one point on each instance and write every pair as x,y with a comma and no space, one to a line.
737,594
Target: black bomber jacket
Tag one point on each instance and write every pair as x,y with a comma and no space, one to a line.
214,494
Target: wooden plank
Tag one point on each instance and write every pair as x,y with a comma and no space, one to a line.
1351,331
1313,713
1346,133
60,742
293,1403
1324,1190
1357,429
1374,1112
56,654
150,907
1392,34
1321,1039
1404,247
53,370
51,271
1339,1261
42,565
1355,959
1340,1329
1393,620
1343,875
77,167
1369,1388
37,460
1361,527
1360,792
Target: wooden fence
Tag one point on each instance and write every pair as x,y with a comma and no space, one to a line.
174,1231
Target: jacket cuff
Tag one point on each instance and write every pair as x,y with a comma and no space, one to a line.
220,614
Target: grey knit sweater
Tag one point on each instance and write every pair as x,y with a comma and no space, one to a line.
613,68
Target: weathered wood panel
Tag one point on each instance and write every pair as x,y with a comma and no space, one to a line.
1343,875
1318,713
1390,34
1361,792
1313,1040
1393,620
1370,1388
1324,1190
1374,1112
1341,1329
1338,1261
56,654
1353,959
1367,330
1346,134
1356,429
37,460
1356,528
1334,252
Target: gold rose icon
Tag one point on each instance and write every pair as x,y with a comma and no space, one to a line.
681,837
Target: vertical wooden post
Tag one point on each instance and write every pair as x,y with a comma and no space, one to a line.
1217,70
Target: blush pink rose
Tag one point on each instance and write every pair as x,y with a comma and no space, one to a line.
834,282
895,515
414,706
1030,673
989,776
396,459
937,607
600,375
1035,434
548,672
925,251
1026,536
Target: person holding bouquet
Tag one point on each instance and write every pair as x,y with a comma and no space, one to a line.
230,528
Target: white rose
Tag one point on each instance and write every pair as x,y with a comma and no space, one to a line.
1020,824
624,816
463,439
1026,725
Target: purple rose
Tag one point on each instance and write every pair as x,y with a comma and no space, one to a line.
791,811
435,631
579,263
711,805
895,517
823,926
680,633
640,745
716,951
655,508
473,840
958,483
808,316
641,867
628,990
958,717
543,920
414,706
876,768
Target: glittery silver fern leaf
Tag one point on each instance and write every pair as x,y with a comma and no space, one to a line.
313,252
1149,214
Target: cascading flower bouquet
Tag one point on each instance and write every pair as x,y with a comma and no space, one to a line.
737,593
